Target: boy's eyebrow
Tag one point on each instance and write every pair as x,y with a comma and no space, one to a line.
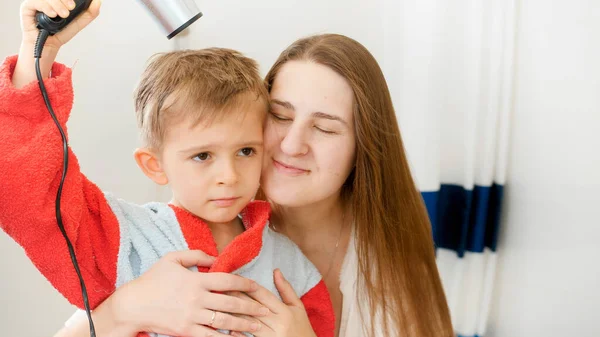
251,143
206,147
317,114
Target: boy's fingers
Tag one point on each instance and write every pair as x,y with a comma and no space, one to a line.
80,22
88,16
70,4
59,8
94,8
42,6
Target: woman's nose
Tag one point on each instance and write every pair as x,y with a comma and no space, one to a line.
294,142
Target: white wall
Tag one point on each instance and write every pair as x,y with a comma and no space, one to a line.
548,276
547,279
107,59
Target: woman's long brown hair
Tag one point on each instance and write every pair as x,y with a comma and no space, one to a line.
394,241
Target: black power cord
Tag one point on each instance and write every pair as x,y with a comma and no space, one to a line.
39,46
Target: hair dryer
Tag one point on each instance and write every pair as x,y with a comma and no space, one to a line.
172,15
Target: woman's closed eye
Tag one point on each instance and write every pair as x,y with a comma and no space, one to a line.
279,117
325,130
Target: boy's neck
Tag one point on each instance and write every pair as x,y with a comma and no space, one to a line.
224,233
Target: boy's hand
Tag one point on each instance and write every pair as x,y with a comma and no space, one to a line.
53,8
25,70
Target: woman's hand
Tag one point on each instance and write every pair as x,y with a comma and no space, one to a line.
287,318
170,299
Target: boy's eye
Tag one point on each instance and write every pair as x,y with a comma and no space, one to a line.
246,152
202,156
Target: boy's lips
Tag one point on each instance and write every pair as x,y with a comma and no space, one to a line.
289,169
225,202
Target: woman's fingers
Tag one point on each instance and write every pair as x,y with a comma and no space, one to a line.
268,299
286,291
269,321
234,305
202,331
191,258
221,320
228,282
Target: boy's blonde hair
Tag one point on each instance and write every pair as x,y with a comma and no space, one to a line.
198,85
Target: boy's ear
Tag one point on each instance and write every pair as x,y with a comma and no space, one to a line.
151,165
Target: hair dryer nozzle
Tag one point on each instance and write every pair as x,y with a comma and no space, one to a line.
173,15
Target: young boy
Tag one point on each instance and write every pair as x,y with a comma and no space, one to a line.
200,115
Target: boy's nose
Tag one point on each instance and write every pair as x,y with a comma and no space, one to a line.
228,174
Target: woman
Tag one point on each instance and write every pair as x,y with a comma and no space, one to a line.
337,175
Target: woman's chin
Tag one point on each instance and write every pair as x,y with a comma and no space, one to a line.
287,197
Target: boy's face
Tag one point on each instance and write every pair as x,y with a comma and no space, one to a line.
214,169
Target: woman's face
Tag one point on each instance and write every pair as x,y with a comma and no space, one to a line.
309,135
